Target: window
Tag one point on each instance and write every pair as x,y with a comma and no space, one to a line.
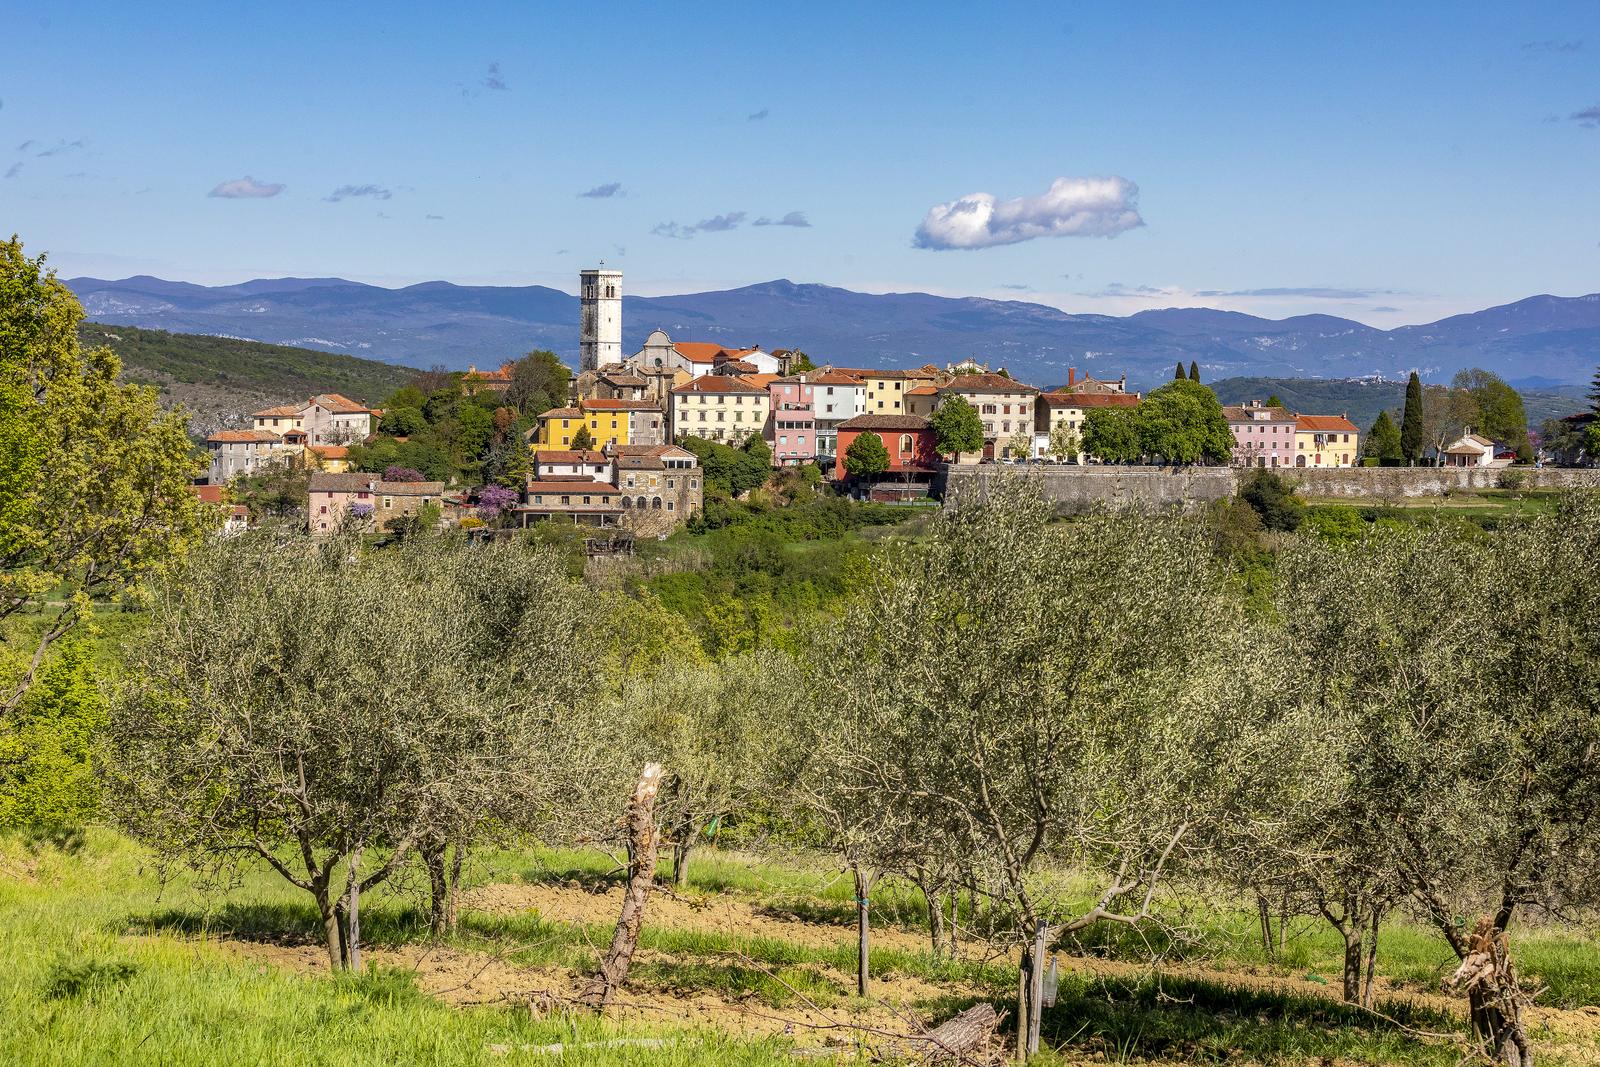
586,500
669,505
905,444
388,501
566,500
323,510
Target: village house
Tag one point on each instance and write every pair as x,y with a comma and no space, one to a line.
1470,450
476,381
610,422
644,421
1326,441
572,498
326,419
335,459
335,499
555,463
792,426
1005,407
836,397
243,452
235,517
1069,408
614,382
909,440
660,486
1263,436
719,408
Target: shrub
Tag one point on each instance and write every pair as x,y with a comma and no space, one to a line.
1273,500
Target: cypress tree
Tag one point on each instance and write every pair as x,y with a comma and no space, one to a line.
1194,371
1594,391
1178,374
1411,421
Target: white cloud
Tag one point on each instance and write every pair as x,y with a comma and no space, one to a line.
1071,207
246,188
793,218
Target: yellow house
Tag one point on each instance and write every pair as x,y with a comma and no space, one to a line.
1326,441
558,427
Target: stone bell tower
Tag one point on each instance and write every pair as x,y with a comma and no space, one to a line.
600,297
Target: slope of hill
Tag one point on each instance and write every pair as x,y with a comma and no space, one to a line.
1362,398
1557,338
218,379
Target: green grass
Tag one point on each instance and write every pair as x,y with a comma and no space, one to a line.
74,989
101,964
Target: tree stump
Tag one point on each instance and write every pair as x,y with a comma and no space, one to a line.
957,1039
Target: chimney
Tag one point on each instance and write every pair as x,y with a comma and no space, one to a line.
1072,377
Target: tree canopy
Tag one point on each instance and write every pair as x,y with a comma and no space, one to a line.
956,426
94,476
866,456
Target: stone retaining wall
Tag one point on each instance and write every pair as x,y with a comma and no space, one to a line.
1075,487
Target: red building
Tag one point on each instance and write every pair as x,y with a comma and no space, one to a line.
909,440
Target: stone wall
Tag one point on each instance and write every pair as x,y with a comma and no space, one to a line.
1078,487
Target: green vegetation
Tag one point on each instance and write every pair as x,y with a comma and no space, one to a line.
1179,423
241,369
1382,442
866,457
957,427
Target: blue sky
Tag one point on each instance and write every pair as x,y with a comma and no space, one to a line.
1390,163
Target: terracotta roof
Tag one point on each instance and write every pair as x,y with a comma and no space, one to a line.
351,482
761,381
329,451
562,413
279,412
209,494
886,422
559,456
619,378
620,405
923,390
411,488
986,383
1337,423
835,377
294,435
625,451
736,366
244,437
473,374
341,405
1089,400
570,482
698,351
720,383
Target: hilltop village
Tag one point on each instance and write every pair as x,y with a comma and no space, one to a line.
626,447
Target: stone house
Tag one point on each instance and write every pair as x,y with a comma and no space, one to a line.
335,499
660,487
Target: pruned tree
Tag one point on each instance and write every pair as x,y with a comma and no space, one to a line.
1053,694
717,729
330,712
1064,443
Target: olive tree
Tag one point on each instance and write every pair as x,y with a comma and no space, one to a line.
329,710
1053,695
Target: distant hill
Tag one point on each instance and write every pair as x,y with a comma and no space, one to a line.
1362,398
1550,337
221,378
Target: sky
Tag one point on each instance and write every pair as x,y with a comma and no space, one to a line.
1388,163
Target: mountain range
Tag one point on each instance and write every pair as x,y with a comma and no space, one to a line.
1543,340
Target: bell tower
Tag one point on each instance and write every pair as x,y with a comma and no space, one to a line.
600,297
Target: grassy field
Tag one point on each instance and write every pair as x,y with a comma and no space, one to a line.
101,963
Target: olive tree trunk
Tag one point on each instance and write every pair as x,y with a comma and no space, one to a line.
642,840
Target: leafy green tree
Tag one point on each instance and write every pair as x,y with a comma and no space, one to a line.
407,396
1178,374
1182,422
583,440
759,453
866,456
94,476
1274,401
1411,421
957,427
1111,435
800,363
1194,371
47,780
1064,442
1273,500
402,422
1020,444
539,382
1500,415
1383,441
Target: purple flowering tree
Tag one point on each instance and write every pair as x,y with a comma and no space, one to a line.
495,499
396,473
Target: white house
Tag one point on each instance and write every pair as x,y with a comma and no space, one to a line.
1469,450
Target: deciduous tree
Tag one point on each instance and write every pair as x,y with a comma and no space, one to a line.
866,457
957,427
94,476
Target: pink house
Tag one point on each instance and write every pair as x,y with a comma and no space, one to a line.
1262,436
792,422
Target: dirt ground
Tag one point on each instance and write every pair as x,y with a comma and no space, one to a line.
466,977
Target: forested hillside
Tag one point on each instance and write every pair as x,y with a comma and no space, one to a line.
220,378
